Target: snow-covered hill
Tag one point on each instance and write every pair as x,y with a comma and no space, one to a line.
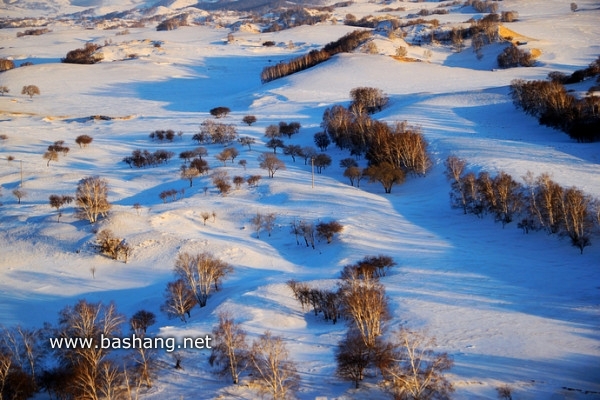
510,308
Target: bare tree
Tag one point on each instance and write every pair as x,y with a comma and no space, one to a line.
386,174
364,300
455,167
238,181
321,161
223,156
321,140
247,141
352,357
145,366
50,155
141,320
220,112
83,140
253,180
179,300
201,272
19,194
91,321
416,372
30,90
92,198
21,352
271,163
249,119
271,367
354,174
189,173
292,150
577,219
275,144
257,223
370,99
504,392
229,350
308,232
268,222
308,152
272,131
57,201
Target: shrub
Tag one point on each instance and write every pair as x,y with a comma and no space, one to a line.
83,140
512,56
5,64
85,55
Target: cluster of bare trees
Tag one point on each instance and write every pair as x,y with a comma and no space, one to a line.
554,106
345,44
212,132
201,273
368,99
391,151
144,158
408,365
21,351
266,360
171,195
161,134
32,360
54,150
541,203
324,301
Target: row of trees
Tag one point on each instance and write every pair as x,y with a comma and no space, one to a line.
539,204
554,106
345,44
144,158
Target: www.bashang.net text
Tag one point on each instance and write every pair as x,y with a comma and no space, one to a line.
169,344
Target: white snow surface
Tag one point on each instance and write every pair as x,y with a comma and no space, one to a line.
510,308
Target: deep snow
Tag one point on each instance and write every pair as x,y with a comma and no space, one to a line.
508,307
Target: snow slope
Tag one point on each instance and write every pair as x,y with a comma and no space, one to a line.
509,308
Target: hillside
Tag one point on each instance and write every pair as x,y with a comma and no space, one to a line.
510,308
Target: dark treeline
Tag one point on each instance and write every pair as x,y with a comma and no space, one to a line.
554,106
347,43
540,204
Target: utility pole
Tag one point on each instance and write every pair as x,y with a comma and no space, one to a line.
312,167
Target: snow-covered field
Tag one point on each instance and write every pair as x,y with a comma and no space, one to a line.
522,310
